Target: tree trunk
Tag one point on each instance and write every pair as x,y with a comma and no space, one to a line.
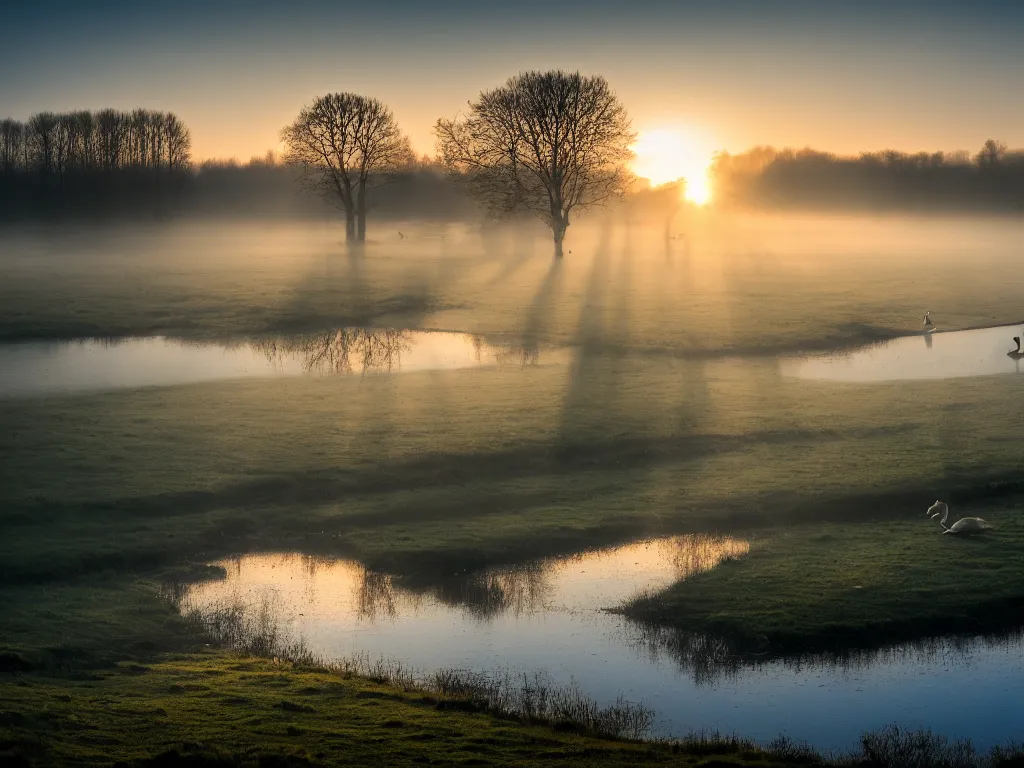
350,226
361,211
558,230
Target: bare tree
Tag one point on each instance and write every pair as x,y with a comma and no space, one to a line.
12,145
42,141
111,129
545,142
345,144
177,142
991,154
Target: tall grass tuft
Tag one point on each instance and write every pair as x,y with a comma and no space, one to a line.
896,747
246,630
793,752
534,698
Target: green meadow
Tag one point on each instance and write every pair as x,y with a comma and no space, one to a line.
656,405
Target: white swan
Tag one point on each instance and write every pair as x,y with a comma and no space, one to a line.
928,324
963,525
936,509
1018,352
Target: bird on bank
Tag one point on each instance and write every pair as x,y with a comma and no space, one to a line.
964,525
929,326
401,236
1018,352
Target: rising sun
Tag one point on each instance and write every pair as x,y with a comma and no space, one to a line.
666,155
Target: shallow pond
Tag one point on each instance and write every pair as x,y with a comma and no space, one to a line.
936,355
100,364
548,617
39,368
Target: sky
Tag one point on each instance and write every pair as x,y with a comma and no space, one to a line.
726,74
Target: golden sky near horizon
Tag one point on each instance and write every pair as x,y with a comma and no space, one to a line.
716,75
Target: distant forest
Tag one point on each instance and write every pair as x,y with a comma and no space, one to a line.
990,181
138,163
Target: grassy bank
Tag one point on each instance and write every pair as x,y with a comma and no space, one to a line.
133,681
835,585
217,709
246,710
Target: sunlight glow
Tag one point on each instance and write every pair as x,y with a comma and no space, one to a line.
665,155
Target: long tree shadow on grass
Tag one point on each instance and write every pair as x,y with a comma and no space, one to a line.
281,512
365,287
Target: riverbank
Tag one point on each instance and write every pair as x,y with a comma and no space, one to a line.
225,710
836,585
218,709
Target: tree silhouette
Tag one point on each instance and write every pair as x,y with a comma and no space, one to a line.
12,141
992,179
344,143
80,143
991,154
545,142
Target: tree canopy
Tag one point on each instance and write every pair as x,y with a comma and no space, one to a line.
344,144
544,142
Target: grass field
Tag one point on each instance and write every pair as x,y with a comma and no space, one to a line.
653,428
241,711
860,584
742,285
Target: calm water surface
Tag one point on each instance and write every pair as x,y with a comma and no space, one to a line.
548,617
937,355
38,368
98,364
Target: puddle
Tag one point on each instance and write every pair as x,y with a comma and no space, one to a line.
939,355
547,617
100,364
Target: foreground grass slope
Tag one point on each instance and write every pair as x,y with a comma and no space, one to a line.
215,709
215,705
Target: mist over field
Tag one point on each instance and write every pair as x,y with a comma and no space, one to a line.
608,385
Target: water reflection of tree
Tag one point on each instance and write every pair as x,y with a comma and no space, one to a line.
340,351
376,597
505,355
517,591
710,659
525,589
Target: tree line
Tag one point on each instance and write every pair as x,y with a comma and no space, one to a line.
93,162
546,144
990,180
57,144
263,187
